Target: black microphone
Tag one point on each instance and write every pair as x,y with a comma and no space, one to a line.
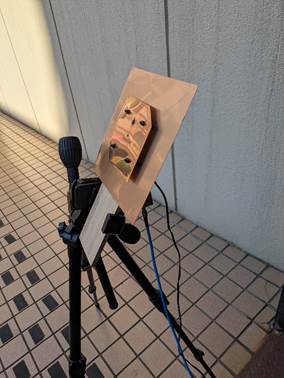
129,234
70,152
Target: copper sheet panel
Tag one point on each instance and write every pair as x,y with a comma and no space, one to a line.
169,100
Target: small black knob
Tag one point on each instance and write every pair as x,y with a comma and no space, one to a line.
61,228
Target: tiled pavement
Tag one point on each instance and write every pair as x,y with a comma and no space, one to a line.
227,296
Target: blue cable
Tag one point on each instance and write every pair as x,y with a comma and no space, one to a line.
185,364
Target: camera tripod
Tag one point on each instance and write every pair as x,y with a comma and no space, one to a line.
81,195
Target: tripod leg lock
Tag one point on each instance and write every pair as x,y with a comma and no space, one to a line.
68,234
198,354
157,301
77,368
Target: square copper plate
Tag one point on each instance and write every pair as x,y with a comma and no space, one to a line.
168,101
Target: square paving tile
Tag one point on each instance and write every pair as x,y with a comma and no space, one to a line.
37,333
234,253
236,357
263,289
28,317
171,275
118,355
191,264
241,276
217,243
13,288
141,304
253,337
253,264
220,371
227,289
193,289
156,321
13,350
104,335
211,304
162,243
124,319
273,275
23,368
175,370
46,352
139,337
57,369
233,321
195,320
248,304
222,263
208,276
187,225
215,339
205,252
190,243
265,317
136,368
157,357
200,233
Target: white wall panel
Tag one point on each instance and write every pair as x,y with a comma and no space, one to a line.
14,97
230,154
38,57
101,42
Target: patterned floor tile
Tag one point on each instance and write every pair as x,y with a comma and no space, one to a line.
227,297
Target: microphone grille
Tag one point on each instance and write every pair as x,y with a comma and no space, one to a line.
70,151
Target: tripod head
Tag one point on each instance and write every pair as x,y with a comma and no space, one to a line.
70,152
82,192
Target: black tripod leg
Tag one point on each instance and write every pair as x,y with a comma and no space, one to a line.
77,362
92,287
87,268
153,295
103,276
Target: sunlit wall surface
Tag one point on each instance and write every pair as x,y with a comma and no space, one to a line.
33,85
64,63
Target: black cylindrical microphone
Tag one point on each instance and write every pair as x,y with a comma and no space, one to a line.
129,234
70,152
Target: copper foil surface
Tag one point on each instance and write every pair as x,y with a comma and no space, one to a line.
129,135
132,153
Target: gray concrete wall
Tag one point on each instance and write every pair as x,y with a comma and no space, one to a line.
226,171
230,153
